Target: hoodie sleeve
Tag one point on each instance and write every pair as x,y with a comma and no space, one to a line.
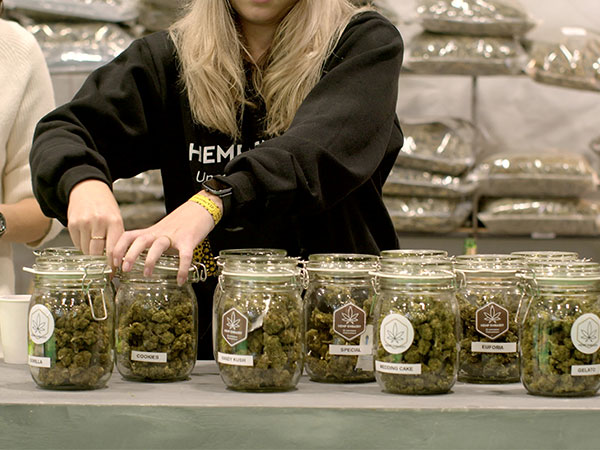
339,136
104,133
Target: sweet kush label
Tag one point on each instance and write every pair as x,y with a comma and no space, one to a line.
349,321
234,327
491,320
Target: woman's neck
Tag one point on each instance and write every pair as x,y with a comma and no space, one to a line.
258,39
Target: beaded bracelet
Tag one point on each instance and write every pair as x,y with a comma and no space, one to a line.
209,205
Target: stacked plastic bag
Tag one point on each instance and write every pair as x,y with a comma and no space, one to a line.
548,192
140,199
469,37
427,190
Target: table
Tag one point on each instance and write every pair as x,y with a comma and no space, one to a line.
202,413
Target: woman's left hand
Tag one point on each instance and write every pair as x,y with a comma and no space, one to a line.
183,229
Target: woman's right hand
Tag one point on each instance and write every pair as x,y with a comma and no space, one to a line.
94,218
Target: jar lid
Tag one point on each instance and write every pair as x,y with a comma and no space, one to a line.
413,253
488,263
263,266
547,254
166,262
342,262
563,271
417,269
68,261
255,251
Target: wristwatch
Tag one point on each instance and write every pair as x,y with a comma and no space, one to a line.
216,187
2,225
221,190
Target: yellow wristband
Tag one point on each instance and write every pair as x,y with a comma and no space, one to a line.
209,205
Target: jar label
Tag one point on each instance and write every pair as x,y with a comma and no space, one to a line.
40,361
235,360
349,321
41,324
396,333
400,369
234,327
350,349
580,371
151,357
585,333
491,320
494,347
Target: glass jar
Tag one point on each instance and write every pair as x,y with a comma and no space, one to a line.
259,323
157,322
416,336
560,333
71,320
339,315
489,294
538,255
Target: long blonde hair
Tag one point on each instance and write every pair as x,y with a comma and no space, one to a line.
211,49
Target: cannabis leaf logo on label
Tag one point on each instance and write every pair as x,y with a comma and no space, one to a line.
395,335
493,316
232,322
350,316
589,334
38,326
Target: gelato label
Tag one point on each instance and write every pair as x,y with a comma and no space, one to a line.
494,347
491,320
41,324
589,369
585,333
396,333
151,357
234,327
398,369
349,321
235,360
40,361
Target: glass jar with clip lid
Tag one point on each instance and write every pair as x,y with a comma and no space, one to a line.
71,320
417,326
560,330
157,321
259,323
489,294
338,306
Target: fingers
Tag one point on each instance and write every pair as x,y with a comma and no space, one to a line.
158,247
185,261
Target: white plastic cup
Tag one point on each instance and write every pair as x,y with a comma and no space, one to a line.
14,318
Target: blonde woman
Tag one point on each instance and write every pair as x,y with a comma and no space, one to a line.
273,124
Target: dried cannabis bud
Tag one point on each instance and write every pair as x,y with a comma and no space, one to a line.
548,353
483,367
274,339
434,347
163,325
81,347
321,365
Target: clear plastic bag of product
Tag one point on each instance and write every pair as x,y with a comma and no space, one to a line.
536,173
423,214
445,54
146,186
572,216
101,10
158,15
444,145
419,183
79,46
474,17
573,61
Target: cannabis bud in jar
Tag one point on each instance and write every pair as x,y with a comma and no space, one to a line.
71,320
339,317
416,335
489,294
560,333
157,322
259,323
